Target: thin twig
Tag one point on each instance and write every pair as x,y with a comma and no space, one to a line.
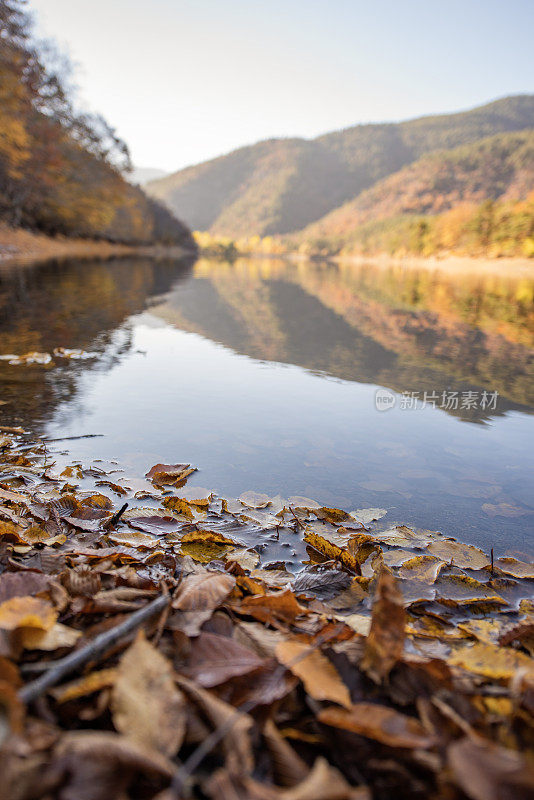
92,650
116,517
71,438
297,520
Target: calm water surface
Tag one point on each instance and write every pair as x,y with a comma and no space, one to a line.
264,375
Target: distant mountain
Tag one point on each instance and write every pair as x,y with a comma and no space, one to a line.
142,175
280,186
495,168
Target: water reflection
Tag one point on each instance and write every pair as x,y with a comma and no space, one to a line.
230,366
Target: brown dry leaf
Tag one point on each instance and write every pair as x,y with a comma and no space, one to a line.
98,500
325,783
289,768
486,771
319,676
515,568
92,765
380,723
491,661
27,612
19,584
237,741
281,606
215,659
385,643
421,568
58,636
331,550
198,597
94,682
146,705
81,581
458,554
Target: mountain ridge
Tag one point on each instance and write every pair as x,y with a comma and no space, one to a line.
280,186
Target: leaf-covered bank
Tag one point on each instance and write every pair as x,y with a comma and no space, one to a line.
152,649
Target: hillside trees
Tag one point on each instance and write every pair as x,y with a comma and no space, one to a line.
61,170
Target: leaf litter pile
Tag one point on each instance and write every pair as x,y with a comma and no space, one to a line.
151,647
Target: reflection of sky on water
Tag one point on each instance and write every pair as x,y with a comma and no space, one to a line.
264,376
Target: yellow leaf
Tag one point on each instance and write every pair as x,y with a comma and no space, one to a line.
319,676
26,612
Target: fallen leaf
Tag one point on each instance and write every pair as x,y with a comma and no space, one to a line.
458,554
56,637
26,612
385,643
319,676
518,569
255,500
94,682
215,659
421,568
489,660
198,597
330,550
380,723
162,474
486,771
146,705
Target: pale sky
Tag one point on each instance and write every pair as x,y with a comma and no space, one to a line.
186,80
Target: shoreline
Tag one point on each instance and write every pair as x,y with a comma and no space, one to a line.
159,605
18,245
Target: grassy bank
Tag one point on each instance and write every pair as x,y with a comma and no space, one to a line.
17,244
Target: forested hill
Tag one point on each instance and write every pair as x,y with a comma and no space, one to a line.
496,168
61,171
283,185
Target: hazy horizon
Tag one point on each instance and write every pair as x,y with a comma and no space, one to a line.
185,82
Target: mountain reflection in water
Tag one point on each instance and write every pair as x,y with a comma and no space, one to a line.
162,387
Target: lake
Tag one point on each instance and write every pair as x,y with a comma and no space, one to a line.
410,390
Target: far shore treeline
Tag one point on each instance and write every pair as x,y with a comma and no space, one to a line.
62,170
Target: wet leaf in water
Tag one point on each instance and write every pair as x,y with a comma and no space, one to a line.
504,510
518,569
162,474
461,555
155,524
255,500
421,568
